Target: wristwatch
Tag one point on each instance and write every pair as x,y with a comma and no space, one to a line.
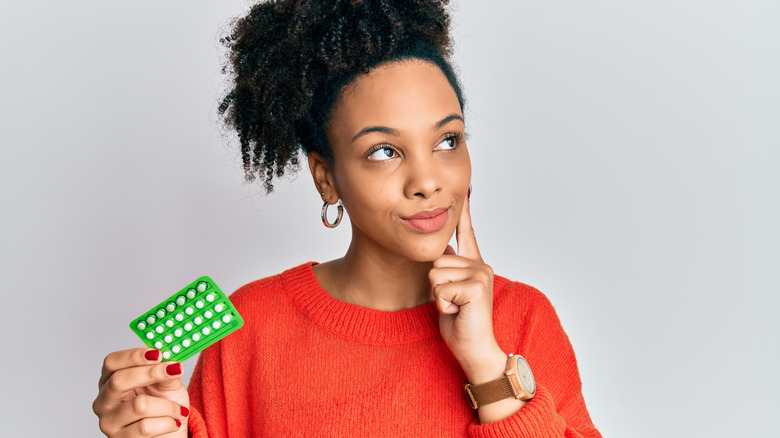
517,382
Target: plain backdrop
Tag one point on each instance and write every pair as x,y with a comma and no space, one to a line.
625,163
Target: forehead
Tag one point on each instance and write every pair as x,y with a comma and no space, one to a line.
407,95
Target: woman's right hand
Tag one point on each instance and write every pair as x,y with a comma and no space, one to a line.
140,396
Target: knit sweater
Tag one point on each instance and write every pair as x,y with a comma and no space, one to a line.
306,364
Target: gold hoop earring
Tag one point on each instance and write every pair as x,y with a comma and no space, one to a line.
324,215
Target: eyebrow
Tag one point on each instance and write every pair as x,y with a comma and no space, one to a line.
391,131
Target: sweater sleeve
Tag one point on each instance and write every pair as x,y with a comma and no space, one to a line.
207,379
558,408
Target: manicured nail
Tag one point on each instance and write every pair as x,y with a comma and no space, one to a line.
184,411
469,195
178,423
173,369
152,355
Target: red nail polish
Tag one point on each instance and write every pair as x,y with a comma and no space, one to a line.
178,423
469,195
152,355
184,411
173,369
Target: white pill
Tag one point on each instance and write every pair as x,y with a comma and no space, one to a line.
226,319
167,355
169,323
167,339
190,294
199,304
149,335
189,311
197,320
202,286
170,307
180,300
158,329
177,333
215,324
210,297
188,326
207,314
176,349
185,342
150,319
141,325
160,313
196,337
206,330
179,317
158,345
218,308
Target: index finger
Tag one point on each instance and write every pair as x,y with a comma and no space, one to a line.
127,358
464,234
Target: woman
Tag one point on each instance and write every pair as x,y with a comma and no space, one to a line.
381,341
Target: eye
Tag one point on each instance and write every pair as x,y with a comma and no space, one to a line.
451,142
382,153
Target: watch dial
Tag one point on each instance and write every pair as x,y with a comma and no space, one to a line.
524,372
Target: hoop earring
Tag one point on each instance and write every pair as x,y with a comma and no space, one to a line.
324,215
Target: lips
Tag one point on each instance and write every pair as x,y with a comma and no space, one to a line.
428,221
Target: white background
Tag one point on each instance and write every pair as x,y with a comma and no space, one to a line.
625,163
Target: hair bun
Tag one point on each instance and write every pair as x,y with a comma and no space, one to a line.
288,60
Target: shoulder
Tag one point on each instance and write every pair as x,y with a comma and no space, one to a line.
269,290
521,311
517,296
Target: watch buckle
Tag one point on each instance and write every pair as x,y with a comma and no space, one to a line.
470,396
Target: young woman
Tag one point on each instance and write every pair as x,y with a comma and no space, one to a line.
383,341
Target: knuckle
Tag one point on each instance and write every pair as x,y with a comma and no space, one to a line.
97,407
484,275
104,426
109,362
153,372
140,404
115,383
145,427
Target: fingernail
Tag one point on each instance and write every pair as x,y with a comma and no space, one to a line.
173,369
178,423
184,411
152,355
469,195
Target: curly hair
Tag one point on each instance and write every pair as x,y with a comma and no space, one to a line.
289,60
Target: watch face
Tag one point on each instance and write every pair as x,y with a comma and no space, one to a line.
526,377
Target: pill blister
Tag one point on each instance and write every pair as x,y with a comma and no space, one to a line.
171,325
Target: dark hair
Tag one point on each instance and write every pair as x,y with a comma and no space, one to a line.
289,61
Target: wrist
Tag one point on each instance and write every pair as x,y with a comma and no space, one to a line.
485,367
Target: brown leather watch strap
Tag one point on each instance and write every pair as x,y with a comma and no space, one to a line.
489,392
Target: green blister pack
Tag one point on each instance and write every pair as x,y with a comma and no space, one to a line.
189,321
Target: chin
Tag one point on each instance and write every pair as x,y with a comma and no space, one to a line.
426,253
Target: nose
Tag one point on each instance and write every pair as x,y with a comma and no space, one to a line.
422,176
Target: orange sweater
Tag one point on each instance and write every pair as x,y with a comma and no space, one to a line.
306,364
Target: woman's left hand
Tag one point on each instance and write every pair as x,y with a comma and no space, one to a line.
462,287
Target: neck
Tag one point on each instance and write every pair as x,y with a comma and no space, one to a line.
371,277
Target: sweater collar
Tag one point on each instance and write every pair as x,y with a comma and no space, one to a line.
356,323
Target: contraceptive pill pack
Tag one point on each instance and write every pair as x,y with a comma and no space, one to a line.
189,321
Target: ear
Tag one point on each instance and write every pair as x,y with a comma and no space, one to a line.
322,173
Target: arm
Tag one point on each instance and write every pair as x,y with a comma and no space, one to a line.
558,409
481,330
207,379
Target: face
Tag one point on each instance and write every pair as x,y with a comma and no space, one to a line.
400,163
